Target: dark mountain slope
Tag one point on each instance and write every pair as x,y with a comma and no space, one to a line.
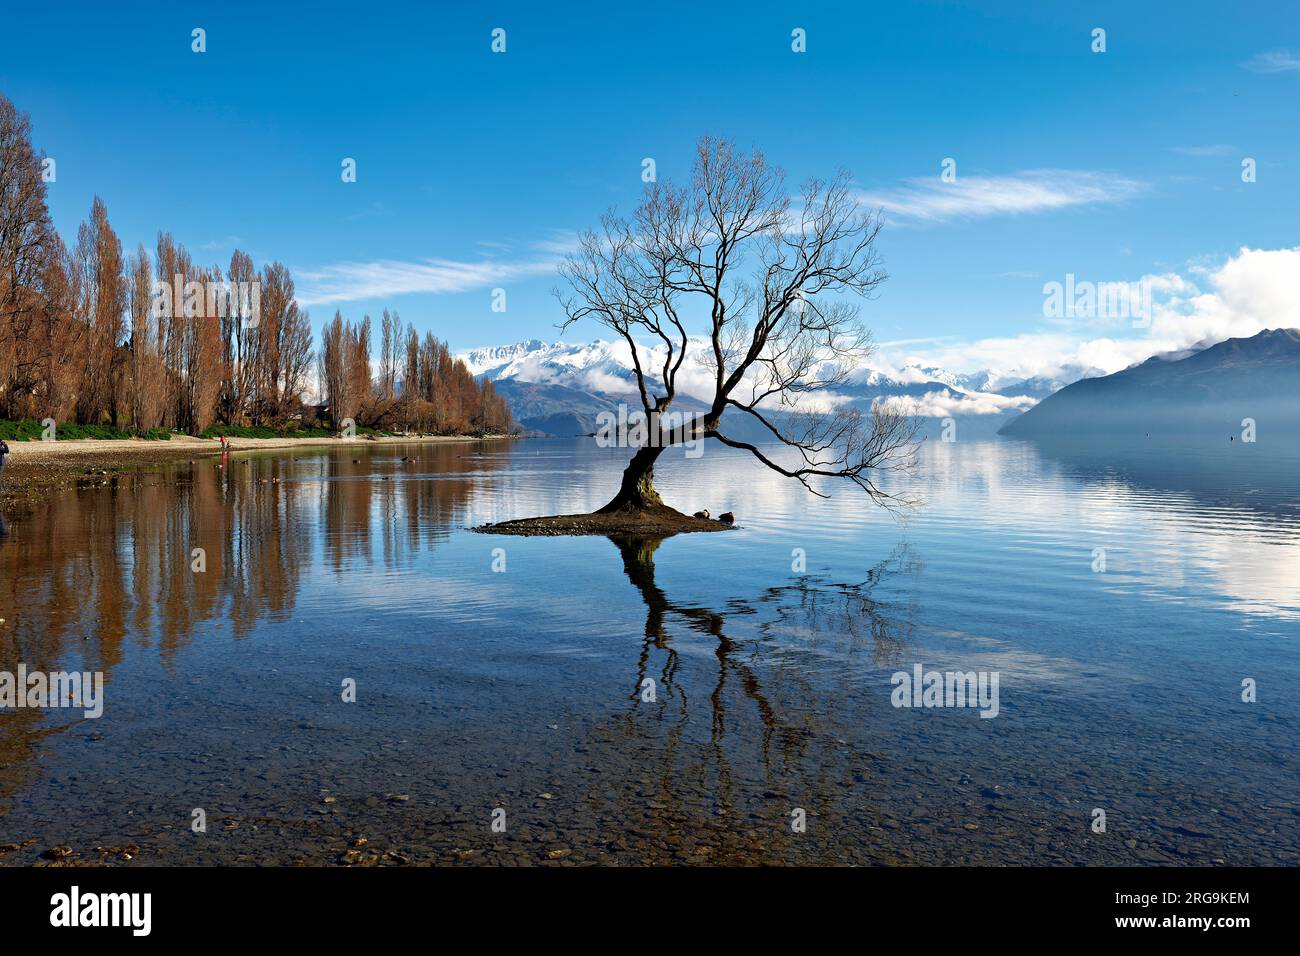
1212,390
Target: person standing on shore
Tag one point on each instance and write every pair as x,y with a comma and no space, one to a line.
4,453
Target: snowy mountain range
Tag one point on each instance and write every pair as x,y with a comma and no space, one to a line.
558,388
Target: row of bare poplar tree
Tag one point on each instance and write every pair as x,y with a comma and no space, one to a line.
83,337
421,386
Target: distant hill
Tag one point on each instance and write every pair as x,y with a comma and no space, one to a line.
1209,390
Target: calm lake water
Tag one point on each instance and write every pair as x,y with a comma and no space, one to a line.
525,689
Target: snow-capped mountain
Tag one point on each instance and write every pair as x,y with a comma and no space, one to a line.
489,359
600,366
558,388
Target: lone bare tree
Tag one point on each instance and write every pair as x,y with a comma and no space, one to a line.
769,275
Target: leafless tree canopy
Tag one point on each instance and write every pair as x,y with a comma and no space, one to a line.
771,277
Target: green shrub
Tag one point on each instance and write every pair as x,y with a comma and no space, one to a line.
31,430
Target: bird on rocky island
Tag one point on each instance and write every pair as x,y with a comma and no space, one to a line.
702,514
727,518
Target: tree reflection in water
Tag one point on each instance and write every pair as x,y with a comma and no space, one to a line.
794,656
92,572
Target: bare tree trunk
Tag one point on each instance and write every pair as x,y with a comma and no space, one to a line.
638,491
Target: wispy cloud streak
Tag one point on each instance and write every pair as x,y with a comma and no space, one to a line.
1039,190
1275,61
362,281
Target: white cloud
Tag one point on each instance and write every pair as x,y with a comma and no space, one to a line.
360,281
929,199
1275,61
1254,290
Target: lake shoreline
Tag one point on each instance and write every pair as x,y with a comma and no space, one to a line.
36,469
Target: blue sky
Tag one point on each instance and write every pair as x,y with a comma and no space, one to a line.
474,168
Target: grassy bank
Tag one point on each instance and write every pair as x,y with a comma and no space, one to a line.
29,429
